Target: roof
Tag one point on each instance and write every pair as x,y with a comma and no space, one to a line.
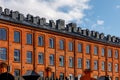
70,29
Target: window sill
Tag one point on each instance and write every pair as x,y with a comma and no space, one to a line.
16,61
17,42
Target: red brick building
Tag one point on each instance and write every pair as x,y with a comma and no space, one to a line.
51,49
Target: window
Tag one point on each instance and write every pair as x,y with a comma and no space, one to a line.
79,63
61,59
116,67
17,55
52,75
40,58
95,50
29,38
109,66
16,36
3,34
16,72
70,46
40,41
79,47
51,59
88,49
61,43
51,43
116,78
87,64
41,73
116,54
29,57
3,54
103,66
70,62
95,65
109,53
61,76
103,51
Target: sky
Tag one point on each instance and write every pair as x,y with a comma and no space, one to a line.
98,15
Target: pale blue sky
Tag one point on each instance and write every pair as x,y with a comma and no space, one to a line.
99,15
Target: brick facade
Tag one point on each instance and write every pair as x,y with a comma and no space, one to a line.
23,66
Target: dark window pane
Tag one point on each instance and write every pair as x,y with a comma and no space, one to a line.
40,41
51,43
88,49
3,34
79,47
95,50
51,59
16,36
70,46
3,54
17,55
40,58
29,57
70,62
79,63
29,38
61,59
61,43
16,72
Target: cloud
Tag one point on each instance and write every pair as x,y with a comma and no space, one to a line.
69,10
118,6
99,25
100,22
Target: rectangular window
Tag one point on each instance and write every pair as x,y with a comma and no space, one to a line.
116,54
87,64
16,72
70,62
116,78
70,46
116,67
103,66
3,53
51,59
29,38
95,65
40,41
29,57
61,76
109,53
40,58
95,50
61,59
17,55
51,43
79,47
61,43
41,73
88,49
79,63
103,51
3,34
16,36
109,66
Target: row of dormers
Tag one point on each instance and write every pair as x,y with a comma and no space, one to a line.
59,25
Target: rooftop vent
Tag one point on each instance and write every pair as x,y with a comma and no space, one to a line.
60,24
88,32
6,12
79,30
102,36
14,14
0,10
97,35
52,23
84,32
108,37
